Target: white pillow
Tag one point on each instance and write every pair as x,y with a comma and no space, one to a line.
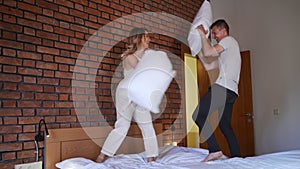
204,17
149,80
73,163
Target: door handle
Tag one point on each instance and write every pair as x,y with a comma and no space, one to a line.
248,115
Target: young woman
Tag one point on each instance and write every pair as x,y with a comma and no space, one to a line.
126,110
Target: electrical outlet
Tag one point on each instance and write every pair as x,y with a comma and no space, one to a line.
276,111
34,165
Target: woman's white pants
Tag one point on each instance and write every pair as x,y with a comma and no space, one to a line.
126,111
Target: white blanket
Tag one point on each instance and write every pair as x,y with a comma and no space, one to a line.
188,158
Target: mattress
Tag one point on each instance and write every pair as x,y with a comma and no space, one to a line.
176,157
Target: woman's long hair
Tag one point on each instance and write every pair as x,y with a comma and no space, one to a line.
134,41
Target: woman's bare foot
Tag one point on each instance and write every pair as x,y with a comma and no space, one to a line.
150,159
213,156
101,158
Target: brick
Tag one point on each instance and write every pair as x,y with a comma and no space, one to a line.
44,96
79,7
47,65
29,23
29,47
79,34
48,112
48,104
48,73
30,87
26,154
64,46
64,39
28,112
9,164
11,11
29,71
29,63
26,137
9,95
28,128
11,44
64,82
10,77
48,50
64,112
79,28
10,147
64,60
31,39
63,104
27,95
29,120
29,55
48,58
64,97
30,16
63,9
29,104
76,13
10,112
64,17
9,69
68,4
29,31
48,43
28,7
9,52
48,28
9,86
28,145
10,35
65,25
62,31
10,129
10,61
64,75
66,119
10,120
48,12
10,3
48,6
28,79
9,156
47,35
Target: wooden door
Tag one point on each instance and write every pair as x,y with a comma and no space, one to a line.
242,121
242,117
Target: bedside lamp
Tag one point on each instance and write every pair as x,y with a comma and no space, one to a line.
40,137
174,143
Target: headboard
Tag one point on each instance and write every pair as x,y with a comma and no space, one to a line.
75,142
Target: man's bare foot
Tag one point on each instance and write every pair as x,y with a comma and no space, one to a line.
101,158
150,159
213,156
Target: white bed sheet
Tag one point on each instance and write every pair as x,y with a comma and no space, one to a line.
188,158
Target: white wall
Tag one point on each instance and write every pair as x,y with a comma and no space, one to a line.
270,30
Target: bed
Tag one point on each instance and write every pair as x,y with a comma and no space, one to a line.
74,149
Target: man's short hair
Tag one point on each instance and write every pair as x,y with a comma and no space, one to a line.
221,23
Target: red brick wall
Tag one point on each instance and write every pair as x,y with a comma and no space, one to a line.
40,43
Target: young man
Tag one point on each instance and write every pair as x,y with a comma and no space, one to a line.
223,92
